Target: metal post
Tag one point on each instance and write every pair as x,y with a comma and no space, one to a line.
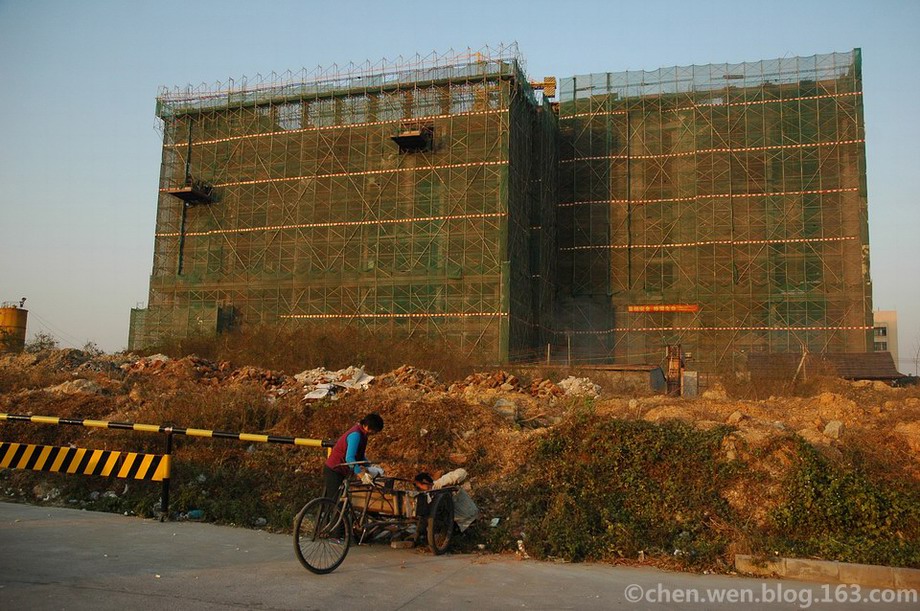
164,497
547,354
188,183
181,253
568,338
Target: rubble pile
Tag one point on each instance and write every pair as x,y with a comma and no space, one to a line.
490,423
67,359
320,383
269,380
497,398
106,367
545,388
191,368
204,371
496,401
411,377
72,387
580,387
498,380
148,364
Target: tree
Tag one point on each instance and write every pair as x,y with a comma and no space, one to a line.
41,341
93,349
7,341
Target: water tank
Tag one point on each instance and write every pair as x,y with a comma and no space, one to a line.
12,328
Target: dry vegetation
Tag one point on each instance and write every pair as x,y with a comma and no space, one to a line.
828,469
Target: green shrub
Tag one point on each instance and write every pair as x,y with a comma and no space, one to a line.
41,342
841,512
600,489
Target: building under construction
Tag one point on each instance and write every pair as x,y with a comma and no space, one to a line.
413,196
719,207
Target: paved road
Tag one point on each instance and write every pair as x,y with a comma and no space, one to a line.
52,558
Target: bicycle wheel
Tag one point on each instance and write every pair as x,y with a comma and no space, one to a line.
441,523
321,538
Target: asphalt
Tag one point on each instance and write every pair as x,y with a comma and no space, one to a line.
55,558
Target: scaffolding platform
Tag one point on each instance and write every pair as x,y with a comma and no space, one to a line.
192,196
415,139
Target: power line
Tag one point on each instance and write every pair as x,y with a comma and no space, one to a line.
64,336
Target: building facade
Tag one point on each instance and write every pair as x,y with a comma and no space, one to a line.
411,197
885,334
719,207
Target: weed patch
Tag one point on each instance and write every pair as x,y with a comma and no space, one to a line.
599,489
333,346
840,512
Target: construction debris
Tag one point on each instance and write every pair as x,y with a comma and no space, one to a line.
321,383
544,387
77,386
148,363
500,380
411,377
490,423
580,387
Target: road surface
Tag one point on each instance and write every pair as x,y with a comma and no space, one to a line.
54,558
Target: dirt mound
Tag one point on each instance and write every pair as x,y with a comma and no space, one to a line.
499,380
867,410
886,417
188,368
73,387
173,372
411,377
253,375
432,431
491,423
63,360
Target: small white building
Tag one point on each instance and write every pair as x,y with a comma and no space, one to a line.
885,334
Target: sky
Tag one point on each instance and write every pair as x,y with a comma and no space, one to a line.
79,152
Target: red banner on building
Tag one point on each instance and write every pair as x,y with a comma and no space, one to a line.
665,307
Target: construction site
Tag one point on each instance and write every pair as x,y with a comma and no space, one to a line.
561,467
721,207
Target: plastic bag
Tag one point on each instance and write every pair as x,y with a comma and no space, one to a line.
453,478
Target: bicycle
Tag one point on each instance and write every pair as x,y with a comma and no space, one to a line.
324,529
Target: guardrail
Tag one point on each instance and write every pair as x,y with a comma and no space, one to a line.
65,459
107,463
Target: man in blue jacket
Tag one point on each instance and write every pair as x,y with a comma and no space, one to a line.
349,448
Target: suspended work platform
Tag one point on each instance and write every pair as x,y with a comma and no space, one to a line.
192,195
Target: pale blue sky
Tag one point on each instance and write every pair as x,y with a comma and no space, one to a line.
79,156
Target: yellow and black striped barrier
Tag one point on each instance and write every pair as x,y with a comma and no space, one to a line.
104,462
83,461
172,430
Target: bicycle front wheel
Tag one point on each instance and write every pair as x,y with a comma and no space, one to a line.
322,535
